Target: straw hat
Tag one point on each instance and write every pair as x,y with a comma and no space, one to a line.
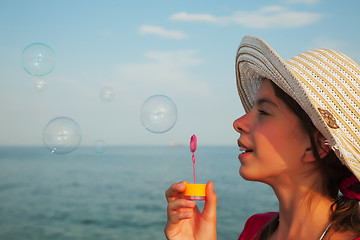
325,83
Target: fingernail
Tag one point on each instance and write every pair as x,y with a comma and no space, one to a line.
179,185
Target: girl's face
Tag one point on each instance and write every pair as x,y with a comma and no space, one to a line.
273,137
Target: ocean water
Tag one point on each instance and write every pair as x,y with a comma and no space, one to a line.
118,194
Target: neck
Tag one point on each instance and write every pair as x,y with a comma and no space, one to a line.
304,214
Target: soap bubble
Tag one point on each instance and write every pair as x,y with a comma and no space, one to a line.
107,94
99,146
158,114
40,85
38,59
61,135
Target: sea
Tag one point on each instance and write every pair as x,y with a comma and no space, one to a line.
119,194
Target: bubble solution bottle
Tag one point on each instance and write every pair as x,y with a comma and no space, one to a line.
194,191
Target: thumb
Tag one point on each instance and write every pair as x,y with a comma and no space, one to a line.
210,201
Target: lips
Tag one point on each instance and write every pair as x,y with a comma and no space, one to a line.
243,148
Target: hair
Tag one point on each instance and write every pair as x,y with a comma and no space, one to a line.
345,214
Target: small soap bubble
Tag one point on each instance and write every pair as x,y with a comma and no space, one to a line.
106,94
38,59
99,146
61,135
40,85
158,114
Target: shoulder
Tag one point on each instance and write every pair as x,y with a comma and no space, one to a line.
262,218
255,223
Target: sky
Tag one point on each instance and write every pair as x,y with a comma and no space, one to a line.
182,49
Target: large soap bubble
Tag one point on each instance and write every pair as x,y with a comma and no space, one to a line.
38,59
62,135
158,114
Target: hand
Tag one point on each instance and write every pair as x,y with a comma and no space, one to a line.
184,220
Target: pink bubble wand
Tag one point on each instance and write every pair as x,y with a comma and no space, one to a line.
193,145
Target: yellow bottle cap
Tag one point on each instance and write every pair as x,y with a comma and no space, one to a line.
195,191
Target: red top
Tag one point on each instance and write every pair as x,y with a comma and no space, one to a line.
255,223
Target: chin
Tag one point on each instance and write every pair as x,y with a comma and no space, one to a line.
243,174
247,176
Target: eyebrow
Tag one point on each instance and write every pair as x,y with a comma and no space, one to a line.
265,100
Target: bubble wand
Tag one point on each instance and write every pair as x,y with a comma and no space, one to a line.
193,145
194,191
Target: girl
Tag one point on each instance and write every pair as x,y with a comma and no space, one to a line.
300,135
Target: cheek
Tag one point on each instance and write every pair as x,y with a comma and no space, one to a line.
276,142
271,137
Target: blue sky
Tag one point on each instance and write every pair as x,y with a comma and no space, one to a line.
182,49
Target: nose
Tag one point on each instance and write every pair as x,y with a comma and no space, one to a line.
240,125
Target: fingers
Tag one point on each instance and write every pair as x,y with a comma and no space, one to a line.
174,191
210,201
180,204
175,224
176,218
179,210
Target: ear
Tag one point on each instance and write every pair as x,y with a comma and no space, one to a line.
322,148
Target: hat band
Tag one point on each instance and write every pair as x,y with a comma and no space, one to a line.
345,188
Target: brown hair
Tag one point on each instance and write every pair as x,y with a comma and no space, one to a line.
345,212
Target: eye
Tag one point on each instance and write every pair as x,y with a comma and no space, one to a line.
262,112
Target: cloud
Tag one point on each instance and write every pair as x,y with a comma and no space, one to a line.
308,2
264,18
183,16
165,71
159,31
